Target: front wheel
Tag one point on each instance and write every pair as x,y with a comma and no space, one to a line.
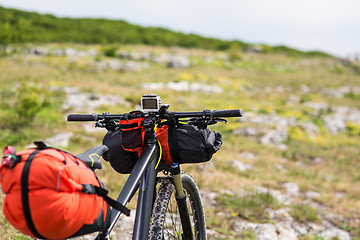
165,219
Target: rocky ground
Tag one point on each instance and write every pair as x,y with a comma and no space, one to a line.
269,128
284,226
273,133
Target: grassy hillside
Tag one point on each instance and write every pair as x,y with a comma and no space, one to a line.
23,27
291,163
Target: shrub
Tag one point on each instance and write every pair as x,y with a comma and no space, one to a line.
353,128
22,105
235,52
110,50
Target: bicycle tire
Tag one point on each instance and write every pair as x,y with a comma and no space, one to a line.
165,219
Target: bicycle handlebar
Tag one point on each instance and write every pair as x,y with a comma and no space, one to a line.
167,115
227,113
83,117
205,113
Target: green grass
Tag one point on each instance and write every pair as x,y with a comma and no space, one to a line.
250,82
310,237
26,106
250,207
247,235
304,213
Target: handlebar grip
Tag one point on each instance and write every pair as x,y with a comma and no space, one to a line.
227,113
82,117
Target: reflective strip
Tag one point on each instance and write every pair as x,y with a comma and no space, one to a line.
93,160
160,155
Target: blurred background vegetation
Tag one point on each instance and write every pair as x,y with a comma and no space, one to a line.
22,27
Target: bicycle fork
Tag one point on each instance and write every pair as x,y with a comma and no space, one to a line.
182,205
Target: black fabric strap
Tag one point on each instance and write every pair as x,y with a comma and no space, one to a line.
128,126
118,206
173,145
25,193
102,192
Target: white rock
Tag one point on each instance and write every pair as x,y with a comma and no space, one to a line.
280,167
286,232
153,86
266,232
241,225
334,232
248,155
246,131
311,129
312,194
59,140
79,101
90,128
316,105
334,124
304,89
209,198
292,189
318,160
115,65
300,228
131,66
281,198
280,215
178,61
242,167
274,137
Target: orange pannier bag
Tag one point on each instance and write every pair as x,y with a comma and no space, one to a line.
45,195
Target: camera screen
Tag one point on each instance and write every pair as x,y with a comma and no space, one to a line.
149,104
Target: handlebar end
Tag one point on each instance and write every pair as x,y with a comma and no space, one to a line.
82,117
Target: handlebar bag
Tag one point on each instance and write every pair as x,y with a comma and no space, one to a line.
45,195
185,143
120,160
132,132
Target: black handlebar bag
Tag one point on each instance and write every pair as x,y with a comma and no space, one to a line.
125,143
120,160
185,143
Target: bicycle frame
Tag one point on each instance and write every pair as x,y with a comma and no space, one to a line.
143,175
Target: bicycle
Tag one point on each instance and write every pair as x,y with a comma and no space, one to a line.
169,206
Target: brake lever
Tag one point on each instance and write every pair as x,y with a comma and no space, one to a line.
109,125
215,121
220,120
203,123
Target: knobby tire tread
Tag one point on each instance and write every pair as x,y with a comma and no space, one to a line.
164,194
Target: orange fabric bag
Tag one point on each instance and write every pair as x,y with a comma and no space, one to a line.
162,135
132,132
57,205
